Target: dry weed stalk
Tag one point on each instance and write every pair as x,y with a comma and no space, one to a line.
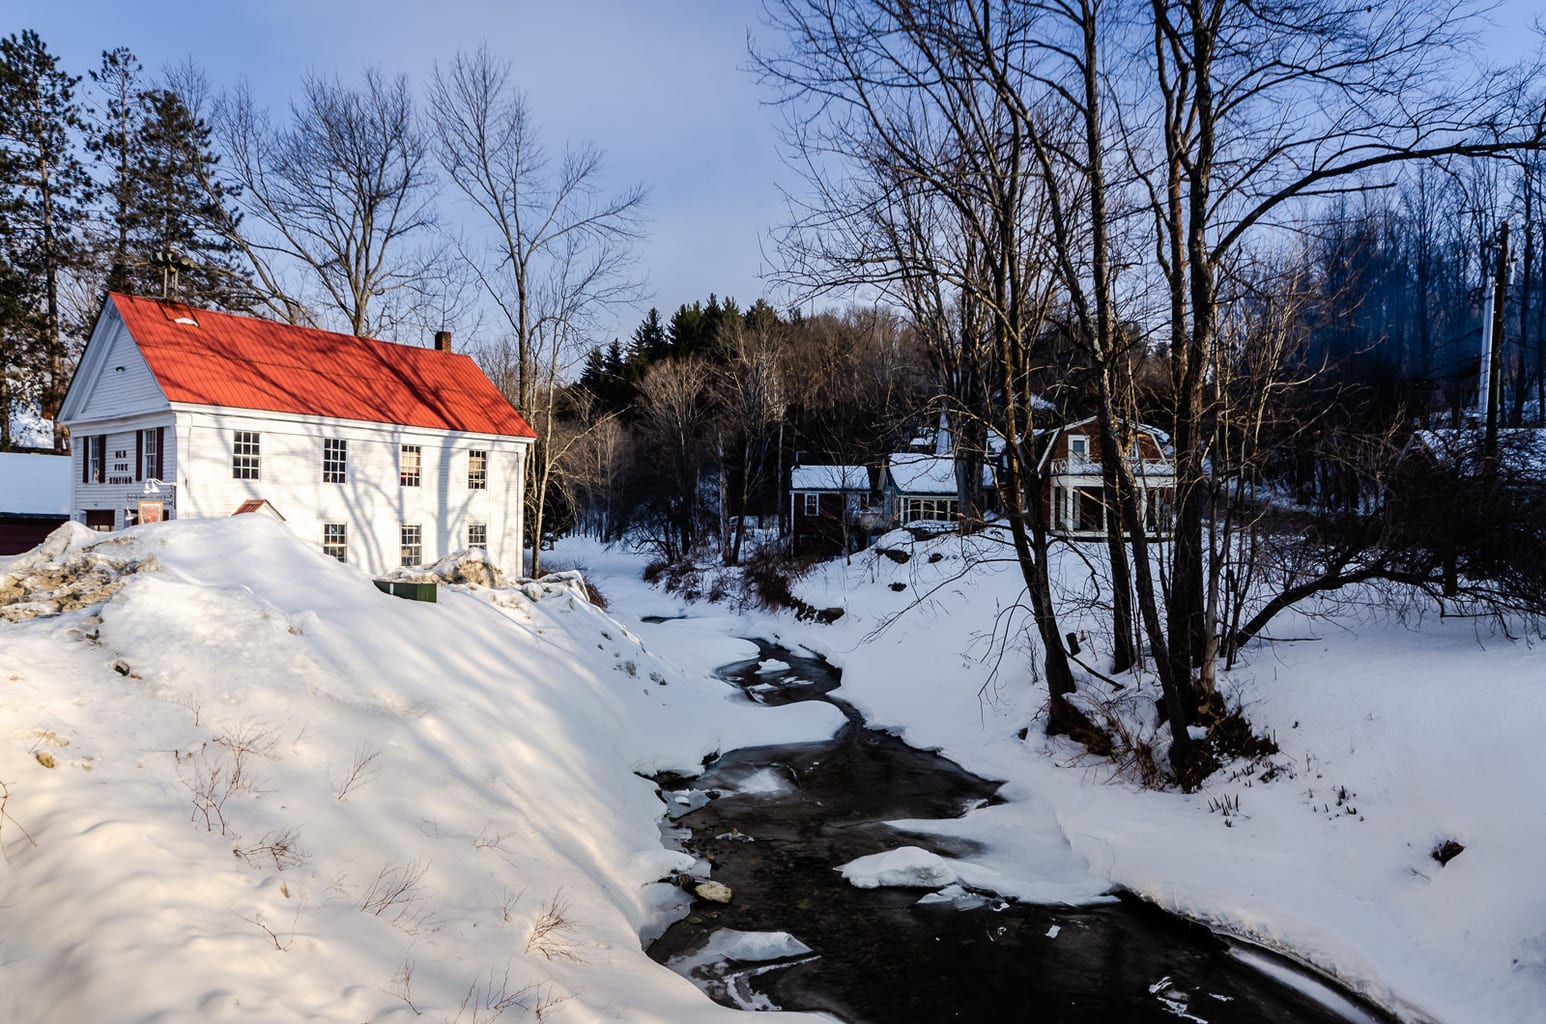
489,1000
282,847
361,771
553,933
5,816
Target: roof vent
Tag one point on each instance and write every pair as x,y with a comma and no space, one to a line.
178,312
442,341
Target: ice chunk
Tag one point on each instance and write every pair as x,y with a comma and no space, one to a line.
909,867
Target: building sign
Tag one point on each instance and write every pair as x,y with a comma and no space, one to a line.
150,512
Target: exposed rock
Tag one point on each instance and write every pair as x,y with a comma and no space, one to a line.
896,555
810,613
1447,851
714,892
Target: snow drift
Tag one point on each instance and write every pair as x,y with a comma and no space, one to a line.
242,784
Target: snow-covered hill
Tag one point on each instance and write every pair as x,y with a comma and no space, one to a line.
242,784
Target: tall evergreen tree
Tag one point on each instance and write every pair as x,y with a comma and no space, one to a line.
171,230
115,144
44,192
180,209
649,344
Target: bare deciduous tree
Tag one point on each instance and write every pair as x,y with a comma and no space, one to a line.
342,192
559,248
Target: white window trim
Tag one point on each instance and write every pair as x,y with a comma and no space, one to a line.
416,547
342,545
239,469
403,451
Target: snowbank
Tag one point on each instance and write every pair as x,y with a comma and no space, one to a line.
242,784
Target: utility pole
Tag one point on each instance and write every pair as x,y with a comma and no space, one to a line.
1492,363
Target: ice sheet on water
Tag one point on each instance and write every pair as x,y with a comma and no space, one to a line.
958,896
725,964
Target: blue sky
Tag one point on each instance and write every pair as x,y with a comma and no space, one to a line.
658,85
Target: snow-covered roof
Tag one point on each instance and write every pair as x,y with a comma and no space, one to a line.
34,485
922,474
1520,449
829,478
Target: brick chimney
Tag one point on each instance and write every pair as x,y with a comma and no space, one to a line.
442,341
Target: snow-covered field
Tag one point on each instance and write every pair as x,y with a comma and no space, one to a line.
437,810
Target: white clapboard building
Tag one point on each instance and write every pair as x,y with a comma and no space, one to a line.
380,454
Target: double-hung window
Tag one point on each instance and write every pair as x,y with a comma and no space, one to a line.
150,454
335,461
245,455
335,540
477,470
96,460
409,465
413,544
477,535
812,505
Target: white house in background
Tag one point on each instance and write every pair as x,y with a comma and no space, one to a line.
1074,488
380,454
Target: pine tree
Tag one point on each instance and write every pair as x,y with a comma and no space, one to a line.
44,191
171,228
687,332
595,372
115,143
180,209
649,344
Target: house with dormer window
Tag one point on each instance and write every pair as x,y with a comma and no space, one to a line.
1074,488
379,454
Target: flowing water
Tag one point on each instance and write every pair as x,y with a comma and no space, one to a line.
775,822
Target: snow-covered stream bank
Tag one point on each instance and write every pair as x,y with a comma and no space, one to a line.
837,910
1431,726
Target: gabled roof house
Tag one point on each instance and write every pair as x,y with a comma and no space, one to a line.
380,454
1074,495
828,508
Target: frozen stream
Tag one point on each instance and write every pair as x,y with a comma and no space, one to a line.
775,822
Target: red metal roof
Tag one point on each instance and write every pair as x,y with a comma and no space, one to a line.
203,357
